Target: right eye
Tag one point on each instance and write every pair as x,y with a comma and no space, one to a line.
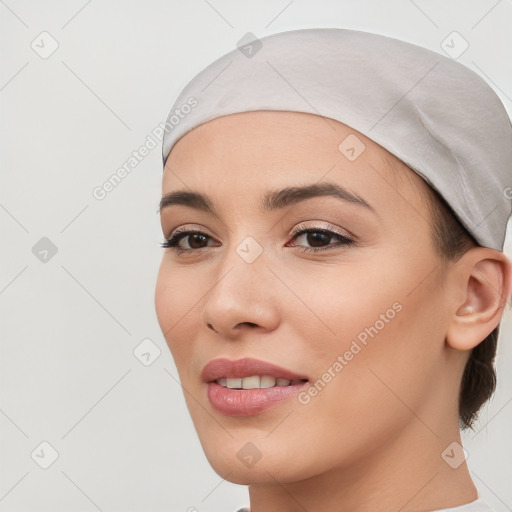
194,236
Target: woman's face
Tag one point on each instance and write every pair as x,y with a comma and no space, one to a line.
362,320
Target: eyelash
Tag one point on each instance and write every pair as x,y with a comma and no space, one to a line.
172,242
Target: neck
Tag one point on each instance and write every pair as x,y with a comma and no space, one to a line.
407,474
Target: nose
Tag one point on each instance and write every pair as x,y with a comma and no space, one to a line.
243,297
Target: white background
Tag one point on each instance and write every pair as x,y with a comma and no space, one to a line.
68,327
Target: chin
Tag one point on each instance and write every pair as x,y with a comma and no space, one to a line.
232,470
240,461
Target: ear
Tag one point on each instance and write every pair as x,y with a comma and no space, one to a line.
483,278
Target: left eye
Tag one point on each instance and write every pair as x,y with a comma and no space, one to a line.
313,236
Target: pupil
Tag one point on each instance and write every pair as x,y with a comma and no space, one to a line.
316,237
195,237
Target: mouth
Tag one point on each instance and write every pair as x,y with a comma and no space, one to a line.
256,381
245,387
249,372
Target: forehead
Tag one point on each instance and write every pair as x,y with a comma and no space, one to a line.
251,151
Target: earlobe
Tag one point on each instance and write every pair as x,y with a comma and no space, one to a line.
485,279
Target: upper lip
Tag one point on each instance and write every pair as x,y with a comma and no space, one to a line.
246,367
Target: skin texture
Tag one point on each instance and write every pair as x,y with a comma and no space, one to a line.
372,438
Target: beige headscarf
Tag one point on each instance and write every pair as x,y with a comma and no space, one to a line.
433,113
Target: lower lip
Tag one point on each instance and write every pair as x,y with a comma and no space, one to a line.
246,402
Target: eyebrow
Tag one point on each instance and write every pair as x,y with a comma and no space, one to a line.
272,200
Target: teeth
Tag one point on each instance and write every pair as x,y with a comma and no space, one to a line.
251,382
267,381
233,383
254,382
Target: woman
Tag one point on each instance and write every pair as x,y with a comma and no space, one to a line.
334,210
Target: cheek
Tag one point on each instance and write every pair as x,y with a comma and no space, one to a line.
345,302
376,317
175,297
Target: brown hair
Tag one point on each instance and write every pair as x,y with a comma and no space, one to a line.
478,382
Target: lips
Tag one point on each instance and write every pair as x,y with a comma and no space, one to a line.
245,387
223,368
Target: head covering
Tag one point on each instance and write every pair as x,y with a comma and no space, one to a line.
436,115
